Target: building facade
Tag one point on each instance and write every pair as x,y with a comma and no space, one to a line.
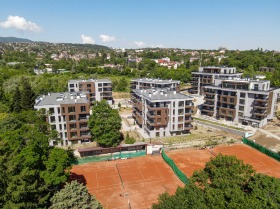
207,75
162,112
149,83
68,114
99,89
250,102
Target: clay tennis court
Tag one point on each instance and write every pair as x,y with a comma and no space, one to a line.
144,178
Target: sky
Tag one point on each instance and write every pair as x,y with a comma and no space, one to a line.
186,24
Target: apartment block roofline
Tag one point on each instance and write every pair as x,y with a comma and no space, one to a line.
61,98
153,80
161,94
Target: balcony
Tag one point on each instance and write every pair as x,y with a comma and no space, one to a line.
209,93
263,113
151,122
208,104
151,114
157,106
208,110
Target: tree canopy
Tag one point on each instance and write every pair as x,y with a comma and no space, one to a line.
75,196
30,170
225,182
105,124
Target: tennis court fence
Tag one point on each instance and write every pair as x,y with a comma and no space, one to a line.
111,156
262,149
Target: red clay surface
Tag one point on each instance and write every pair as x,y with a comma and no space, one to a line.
146,177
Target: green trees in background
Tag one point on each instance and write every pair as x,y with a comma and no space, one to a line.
75,196
105,124
225,182
30,170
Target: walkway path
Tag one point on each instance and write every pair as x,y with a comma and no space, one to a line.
268,133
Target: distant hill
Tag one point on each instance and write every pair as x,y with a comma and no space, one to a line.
14,39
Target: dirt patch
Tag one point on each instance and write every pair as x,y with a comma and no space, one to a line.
121,95
266,141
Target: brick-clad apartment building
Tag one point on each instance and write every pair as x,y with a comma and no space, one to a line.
68,114
99,89
230,97
162,112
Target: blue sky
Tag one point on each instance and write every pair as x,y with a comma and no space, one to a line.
195,24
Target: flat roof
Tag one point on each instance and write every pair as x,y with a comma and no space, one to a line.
227,74
62,98
154,80
162,94
103,80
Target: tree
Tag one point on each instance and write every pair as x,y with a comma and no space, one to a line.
225,182
16,101
30,170
122,84
27,95
105,124
74,195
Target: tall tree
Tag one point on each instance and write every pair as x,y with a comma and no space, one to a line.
105,124
16,101
74,195
27,95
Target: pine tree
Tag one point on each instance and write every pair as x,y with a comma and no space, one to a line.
27,95
16,101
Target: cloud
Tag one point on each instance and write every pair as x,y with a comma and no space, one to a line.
106,38
87,39
19,23
139,43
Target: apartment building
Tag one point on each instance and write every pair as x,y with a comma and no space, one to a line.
149,83
162,112
68,114
98,89
207,75
247,101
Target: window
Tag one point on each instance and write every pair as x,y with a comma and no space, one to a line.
72,126
157,134
73,134
72,117
99,89
71,109
241,108
241,101
181,104
71,85
231,100
83,109
53,127
58,110
242,95
180,111
63,110
240,114
84,133
52,119
83,117
89,85
158,112
180,119
60,127
158,120
65,134
59,118
51,110
100,85
83,125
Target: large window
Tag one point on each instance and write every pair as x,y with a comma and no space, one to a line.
71,109
83,109
72,117
52,119
51,110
